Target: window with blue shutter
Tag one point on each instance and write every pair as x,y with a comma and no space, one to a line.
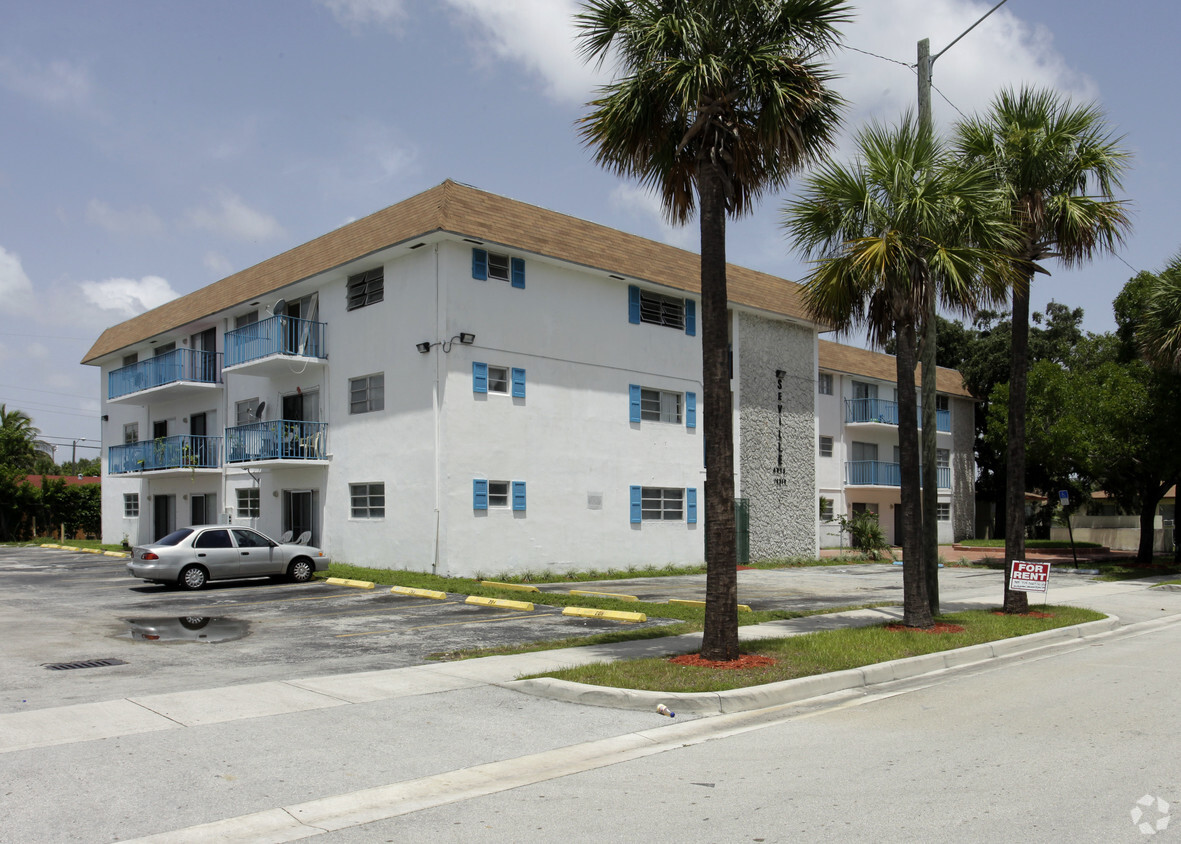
518,383
479,377
691,505
636,499
480,264
690,410
633,304
690,317
633,402
518,273
479,494
518,495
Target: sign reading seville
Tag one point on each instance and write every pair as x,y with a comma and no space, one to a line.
1029,577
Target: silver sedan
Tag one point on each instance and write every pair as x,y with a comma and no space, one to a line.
192,556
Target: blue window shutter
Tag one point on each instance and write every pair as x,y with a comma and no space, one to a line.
479,377
690,410
634,402
518,272
480,264
479,494
518,495
518,383
635,505
690,317
633,304
691,505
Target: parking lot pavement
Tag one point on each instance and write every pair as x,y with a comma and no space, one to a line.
65,607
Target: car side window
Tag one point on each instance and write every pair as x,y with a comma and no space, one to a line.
250,539
213,539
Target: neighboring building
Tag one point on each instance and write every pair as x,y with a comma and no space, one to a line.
460,383
857,463
1104,522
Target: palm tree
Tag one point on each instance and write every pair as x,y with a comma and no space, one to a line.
876,231
19,440
1059,167
715,102
1159,332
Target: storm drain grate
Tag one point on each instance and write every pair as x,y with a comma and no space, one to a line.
84,663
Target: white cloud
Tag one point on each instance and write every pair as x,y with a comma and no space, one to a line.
231,217
141,220
642,204
59,82
359,13
128,297
16,291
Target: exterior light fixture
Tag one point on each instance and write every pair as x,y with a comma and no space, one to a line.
465,338
423,347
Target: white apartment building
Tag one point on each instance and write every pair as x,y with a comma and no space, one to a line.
857,454
462,383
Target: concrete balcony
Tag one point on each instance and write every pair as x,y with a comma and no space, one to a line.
175,374
275,345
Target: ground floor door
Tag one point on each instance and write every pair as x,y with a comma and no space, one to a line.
300,513
163,516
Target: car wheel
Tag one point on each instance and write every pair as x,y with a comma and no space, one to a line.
192,577
301,570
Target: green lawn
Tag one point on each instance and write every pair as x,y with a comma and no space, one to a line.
1029,543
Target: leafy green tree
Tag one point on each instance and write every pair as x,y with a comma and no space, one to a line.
715,102
1158,332
877,230
1059,167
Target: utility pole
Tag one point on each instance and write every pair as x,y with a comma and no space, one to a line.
930,472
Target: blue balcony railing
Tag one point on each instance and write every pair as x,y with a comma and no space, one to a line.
282,439
886,412
181,452
169,368
277,335
878,473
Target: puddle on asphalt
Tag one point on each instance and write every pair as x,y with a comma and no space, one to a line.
186,628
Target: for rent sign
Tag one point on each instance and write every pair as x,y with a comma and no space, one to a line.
1029,577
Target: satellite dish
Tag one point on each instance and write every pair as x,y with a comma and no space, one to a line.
262,405
280,307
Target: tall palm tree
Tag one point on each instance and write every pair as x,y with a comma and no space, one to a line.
876,231
20,442
714,103
1059,167
1159,331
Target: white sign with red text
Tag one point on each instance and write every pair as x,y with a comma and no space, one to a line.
1029,577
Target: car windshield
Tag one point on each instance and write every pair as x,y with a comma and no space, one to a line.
175,538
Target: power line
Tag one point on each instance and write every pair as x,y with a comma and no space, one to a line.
876,56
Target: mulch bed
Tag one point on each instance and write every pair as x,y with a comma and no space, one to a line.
940,627
744,661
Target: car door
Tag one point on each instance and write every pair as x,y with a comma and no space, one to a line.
214,549
256,554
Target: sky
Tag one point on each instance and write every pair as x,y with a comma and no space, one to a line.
148,149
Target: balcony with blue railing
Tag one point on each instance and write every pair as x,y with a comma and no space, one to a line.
170,375
270,346
882,412
184,453
278,441
880,473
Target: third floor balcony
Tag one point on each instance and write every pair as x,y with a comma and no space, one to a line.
882,412
272,346
180,372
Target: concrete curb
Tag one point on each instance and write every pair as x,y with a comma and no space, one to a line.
803,688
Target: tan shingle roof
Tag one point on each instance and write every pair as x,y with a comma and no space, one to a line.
463,210
854,361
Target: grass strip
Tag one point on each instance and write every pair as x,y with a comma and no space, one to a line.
820,653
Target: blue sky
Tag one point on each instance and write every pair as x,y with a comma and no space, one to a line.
150,148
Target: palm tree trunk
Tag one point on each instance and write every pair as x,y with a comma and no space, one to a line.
1017,602
930,469
720,638
916,608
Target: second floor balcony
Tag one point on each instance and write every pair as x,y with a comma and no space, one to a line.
171,375
270,346
170,455
882,412
880,473
278,441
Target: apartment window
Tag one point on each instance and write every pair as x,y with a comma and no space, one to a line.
366,288
249,503
498,492
662,310
943,458
486,265
662,504
943,511
368,500
862,390
942,403
131,433
131,359
826,510
660,406
825,446
246,411
131,505
367,394
243,320
824,384
498,379
498,495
